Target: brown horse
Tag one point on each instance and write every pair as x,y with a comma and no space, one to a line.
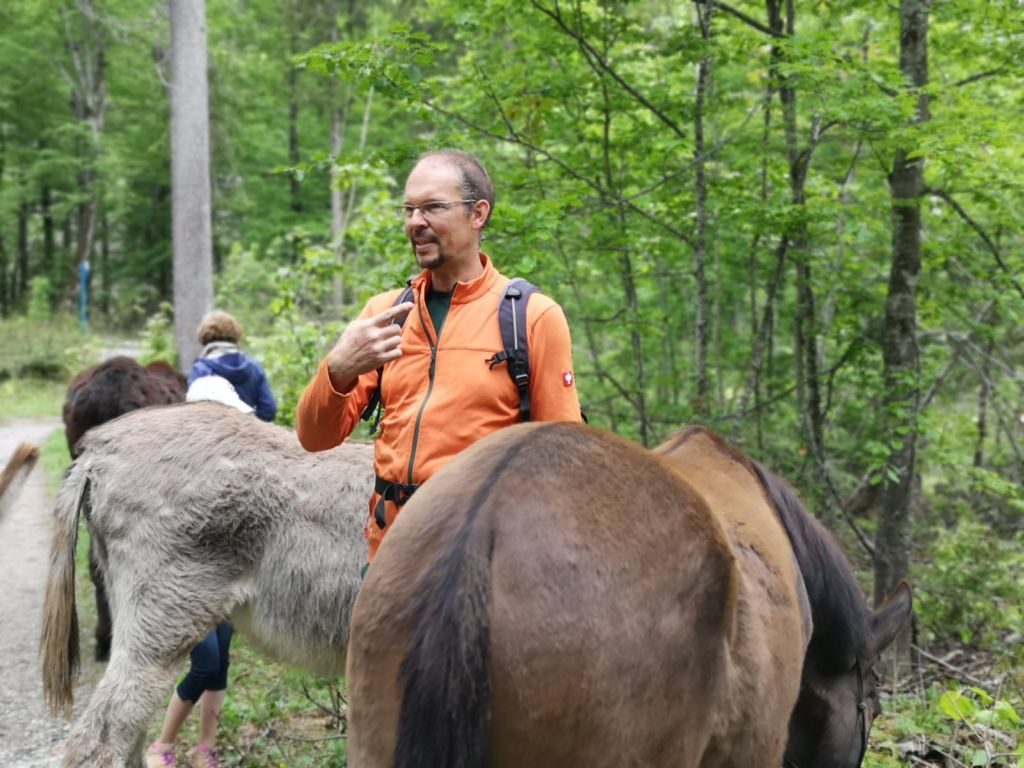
558,596
97,395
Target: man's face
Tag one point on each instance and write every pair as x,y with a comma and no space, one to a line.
449,236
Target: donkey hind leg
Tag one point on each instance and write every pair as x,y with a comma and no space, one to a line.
112,730
103,620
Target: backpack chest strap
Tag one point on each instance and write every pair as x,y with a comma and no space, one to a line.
398,493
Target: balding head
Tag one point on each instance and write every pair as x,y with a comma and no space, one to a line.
476,183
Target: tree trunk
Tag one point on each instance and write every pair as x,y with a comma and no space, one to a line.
900,353
805,335
353,188
4,284
85,222
85,39
5,305
339,116
48,263
702,341
191,224
21,264
984,395
101,279
295,189
627,275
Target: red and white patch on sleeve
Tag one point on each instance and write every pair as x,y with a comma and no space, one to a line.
567,378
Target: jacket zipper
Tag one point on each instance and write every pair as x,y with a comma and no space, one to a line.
430,388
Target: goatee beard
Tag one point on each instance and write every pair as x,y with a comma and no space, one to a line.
430,260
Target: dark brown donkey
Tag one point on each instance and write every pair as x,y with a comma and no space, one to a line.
96,396
558,597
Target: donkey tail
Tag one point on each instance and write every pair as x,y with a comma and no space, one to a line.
14,475
445,708
58,643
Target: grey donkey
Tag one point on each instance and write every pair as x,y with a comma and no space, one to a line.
198,512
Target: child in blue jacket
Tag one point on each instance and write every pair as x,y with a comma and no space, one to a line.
219,333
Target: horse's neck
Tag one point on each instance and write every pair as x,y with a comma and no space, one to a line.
732,490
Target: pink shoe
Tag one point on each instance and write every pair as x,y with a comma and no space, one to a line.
160,756
203,756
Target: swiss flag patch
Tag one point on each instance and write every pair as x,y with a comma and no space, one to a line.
567,379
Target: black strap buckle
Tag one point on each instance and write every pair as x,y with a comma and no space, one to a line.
397,493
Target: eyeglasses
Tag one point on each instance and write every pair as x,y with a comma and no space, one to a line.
429,208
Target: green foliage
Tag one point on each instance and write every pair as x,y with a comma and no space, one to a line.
971,588
271,715
981,718
976,706
904,717
52,349
31,399
40,296
158,337
975,726
53,455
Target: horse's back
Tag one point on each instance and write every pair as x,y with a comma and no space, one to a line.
611,602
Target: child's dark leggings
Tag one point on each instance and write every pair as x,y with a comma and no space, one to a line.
209,670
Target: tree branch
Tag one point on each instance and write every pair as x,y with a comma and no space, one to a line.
977,77
749,21
515,138
993,248
938,381
556,16
700,158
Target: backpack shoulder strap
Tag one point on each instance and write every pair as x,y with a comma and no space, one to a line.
512,320
373,405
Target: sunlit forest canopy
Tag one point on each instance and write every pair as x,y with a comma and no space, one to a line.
713,192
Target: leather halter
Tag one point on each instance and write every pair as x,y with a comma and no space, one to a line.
862,722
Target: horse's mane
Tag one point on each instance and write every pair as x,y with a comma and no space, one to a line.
840,619
837,606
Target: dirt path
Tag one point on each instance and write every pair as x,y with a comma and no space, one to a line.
29,737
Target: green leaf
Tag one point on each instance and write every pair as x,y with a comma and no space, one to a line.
1006,713
956,706
982,694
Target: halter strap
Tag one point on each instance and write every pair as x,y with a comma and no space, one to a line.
862,722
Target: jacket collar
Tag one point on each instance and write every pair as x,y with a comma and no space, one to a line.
219,348
464,292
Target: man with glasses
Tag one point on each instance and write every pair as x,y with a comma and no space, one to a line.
434,372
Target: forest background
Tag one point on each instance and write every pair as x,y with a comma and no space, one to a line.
797,223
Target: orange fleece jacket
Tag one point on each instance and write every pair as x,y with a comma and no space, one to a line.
429,418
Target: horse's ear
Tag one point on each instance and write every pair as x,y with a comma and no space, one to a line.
889,619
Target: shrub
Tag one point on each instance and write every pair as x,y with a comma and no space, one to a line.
972,588
158,338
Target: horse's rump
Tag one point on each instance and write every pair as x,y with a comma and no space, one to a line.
597,589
